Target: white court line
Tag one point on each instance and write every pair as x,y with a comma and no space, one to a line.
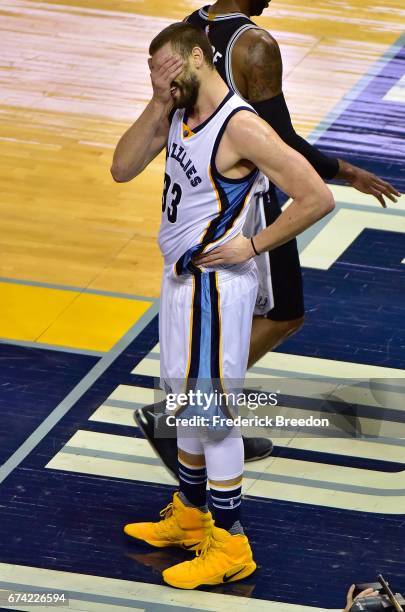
321,245
136,595
345,194
350,447
315,366
396,93
138,447
74,604
341,231
284,479
317,387
130,393
114,416
289,364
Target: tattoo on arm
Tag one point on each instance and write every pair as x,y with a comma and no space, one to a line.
263,68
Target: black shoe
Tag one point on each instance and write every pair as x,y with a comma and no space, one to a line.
257,448
166,448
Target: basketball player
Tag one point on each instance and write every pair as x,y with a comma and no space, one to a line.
215,146
248,59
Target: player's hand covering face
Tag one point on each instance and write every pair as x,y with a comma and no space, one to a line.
164,69
173,80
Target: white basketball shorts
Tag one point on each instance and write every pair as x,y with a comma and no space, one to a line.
205,324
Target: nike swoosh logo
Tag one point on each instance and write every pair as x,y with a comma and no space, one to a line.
228,578
189,546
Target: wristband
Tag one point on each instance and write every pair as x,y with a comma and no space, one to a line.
253,246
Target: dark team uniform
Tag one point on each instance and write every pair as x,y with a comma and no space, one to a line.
223,32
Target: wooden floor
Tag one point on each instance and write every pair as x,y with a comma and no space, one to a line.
74,76
79,274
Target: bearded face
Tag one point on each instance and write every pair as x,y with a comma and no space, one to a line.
184,90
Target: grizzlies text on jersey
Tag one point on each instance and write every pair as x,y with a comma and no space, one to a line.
201,209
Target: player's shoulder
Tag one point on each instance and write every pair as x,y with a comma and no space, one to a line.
257,51
242,117
257,39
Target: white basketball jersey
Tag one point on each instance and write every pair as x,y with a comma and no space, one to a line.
201,209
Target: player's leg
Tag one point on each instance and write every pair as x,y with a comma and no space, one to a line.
254,448
185,522
264,331
268,334
286,316
226,556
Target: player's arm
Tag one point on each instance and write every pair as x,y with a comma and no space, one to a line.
250,138
254,140
258,68
144,140
147,137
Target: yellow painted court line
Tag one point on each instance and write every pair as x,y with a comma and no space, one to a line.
66,318
27,311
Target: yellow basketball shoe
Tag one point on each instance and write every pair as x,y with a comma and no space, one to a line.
180,526
222,558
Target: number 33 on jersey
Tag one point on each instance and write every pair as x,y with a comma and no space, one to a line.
200,207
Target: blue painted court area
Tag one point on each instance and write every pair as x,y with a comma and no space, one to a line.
355,311
307,553
370,131
32,383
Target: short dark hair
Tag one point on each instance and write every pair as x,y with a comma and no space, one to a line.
183,37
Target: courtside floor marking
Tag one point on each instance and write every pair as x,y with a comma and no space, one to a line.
354,93
31,283
361,208
52,347
56,415
149,366
128,594
289,365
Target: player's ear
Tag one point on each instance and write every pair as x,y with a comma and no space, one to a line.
197,56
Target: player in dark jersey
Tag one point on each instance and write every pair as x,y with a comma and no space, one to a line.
248,59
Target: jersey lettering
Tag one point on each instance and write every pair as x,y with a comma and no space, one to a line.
198,204
217,55
179,154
